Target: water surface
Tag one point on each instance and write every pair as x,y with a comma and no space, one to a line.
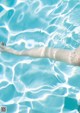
39,85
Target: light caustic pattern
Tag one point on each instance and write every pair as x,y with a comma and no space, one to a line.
39,85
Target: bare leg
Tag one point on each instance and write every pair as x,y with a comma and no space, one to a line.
75,57
41,52
4,48
70,57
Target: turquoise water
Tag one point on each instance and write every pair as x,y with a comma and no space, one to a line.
39,85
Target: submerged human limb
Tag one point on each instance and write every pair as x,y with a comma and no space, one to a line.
45,52
4,48
68,56
75,57
40,52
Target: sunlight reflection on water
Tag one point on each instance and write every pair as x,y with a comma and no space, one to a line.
34,85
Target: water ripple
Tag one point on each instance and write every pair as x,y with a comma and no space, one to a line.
34,85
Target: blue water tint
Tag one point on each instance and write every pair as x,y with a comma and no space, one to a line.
3,35
11,108
1,8
7,16
1,69
39,85
75,81
7,93
9,74
51,29
4,83
70,103
50,2
8,3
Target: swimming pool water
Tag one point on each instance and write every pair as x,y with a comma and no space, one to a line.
39,85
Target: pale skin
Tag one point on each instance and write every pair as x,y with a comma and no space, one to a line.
68,56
